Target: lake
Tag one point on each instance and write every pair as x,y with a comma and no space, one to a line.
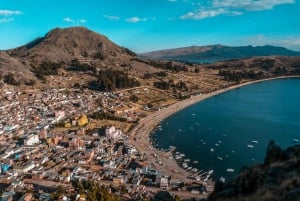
233,129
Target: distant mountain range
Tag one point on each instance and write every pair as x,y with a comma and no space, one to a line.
213,53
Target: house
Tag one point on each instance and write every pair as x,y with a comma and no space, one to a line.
32,139
24,169
164,182
112,132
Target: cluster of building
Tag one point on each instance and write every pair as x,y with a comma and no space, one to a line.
37,157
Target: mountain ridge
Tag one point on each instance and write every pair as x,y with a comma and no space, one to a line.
218,52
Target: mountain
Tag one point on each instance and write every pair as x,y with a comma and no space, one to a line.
278,178
65,45
73,48
213,53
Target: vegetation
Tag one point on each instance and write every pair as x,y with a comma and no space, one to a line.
75,65
170,84
30,82
159,74
106,115
46,68
90,190
10,79
129,52
134,98
237,76
110,80
164,65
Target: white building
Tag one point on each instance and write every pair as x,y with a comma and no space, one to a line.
24,169
113,133
164,182
32,140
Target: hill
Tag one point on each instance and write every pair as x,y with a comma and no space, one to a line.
277,179
61,51
65,45
213,53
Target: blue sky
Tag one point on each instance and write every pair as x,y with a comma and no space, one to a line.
146,25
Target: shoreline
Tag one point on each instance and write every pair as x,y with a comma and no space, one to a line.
139,135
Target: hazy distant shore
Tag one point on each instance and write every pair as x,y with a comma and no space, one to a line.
147,125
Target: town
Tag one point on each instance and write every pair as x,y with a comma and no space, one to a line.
52,137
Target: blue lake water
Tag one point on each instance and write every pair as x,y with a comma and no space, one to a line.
229,122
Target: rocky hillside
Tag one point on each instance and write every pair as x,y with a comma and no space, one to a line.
75,48
14,66
64,45
277,179
213,53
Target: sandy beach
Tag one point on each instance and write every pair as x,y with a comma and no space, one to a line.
140,133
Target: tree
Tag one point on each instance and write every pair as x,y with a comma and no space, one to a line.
134,98
10,79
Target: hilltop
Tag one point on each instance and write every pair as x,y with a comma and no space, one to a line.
213,53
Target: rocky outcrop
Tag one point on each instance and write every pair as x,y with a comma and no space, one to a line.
277,179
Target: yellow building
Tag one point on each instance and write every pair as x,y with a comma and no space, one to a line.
83,120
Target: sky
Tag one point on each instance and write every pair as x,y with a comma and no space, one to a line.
148,25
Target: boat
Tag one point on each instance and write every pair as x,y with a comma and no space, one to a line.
210,172
196,162
250,146
295,140
230,170
254,141
222,179
219,158
212,150
195,170
184,165
187,160
216,144
177,157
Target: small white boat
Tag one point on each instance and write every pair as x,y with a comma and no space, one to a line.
230,170
250,146
222,179
196,162
219,158
212,150
295,140
254,141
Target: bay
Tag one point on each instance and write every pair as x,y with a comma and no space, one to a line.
233,129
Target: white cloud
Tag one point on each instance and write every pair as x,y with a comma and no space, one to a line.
136,19
68,19
202,14
6,20
82,21
10,12
253,5
215,8
111,17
